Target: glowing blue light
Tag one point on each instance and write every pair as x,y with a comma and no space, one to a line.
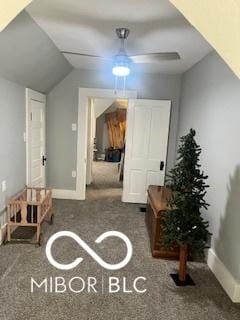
121,71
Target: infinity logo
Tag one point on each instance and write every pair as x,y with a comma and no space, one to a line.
92,253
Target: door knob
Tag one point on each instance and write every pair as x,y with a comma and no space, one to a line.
161,165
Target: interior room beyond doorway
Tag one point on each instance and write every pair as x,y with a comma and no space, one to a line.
106,145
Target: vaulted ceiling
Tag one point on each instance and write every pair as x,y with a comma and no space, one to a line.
89,27
29,57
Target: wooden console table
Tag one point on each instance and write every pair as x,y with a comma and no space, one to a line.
157,203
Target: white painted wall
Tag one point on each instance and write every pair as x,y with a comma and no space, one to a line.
210,104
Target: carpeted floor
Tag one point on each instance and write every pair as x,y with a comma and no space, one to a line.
101,212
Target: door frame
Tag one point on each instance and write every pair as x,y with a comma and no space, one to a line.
40,97
83,97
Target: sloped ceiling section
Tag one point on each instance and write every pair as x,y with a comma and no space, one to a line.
219,22
89,27
10,9
29,57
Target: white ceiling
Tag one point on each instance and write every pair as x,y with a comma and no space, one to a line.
88,26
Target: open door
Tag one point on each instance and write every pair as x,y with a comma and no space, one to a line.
146,147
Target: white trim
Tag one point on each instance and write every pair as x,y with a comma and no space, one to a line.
64,194
3,231
227,281
84,95
32,95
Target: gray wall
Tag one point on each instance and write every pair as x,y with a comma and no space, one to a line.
102,134
210,104
29,57
12,146
62,105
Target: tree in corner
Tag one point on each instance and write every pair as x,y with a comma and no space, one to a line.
184,225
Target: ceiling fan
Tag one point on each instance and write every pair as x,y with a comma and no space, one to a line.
122,61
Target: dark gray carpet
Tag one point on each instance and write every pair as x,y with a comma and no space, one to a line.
101,212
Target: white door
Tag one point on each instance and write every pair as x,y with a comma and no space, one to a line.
36,150
146,147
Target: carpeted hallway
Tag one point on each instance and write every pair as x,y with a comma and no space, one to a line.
101,212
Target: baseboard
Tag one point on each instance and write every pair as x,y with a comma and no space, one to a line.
227,281
65,194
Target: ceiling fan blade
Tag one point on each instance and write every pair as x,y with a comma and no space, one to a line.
155,57
84,55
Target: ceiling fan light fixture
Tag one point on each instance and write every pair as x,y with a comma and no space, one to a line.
121,67
121,71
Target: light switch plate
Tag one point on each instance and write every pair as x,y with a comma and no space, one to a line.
4,186
74,127
74,174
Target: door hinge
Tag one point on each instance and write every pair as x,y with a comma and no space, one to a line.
31,116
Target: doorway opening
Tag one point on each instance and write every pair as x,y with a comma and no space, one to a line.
84,152
146,142
106,146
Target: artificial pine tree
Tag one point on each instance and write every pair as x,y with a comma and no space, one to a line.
183,222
